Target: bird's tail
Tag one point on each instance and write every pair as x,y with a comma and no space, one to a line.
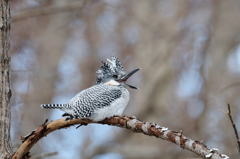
55,106
64,107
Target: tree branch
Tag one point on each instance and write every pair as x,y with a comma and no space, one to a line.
131,123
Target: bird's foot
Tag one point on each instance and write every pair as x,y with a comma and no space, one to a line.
70,117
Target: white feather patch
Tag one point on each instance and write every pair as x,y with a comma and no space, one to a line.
112,83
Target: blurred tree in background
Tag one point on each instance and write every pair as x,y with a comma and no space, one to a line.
189,52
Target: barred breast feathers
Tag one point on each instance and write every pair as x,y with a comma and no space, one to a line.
97,96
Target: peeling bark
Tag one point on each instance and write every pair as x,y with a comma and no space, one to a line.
150,129
5,90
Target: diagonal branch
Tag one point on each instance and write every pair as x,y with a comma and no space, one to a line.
131,123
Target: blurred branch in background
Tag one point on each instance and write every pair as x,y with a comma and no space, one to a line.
41,11
44,155
137,126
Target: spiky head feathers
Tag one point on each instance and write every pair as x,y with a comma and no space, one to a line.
111,70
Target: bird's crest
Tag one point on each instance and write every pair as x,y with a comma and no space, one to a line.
114,67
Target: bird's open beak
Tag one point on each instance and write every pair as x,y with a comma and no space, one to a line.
124,78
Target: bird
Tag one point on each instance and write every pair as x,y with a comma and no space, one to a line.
107,98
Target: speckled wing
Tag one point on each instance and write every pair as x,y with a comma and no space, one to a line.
88,100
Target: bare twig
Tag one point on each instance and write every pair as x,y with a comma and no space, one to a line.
131,123
234,127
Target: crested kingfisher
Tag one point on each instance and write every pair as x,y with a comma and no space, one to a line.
107,98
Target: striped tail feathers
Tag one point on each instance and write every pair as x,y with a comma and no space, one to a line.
55,106
64,107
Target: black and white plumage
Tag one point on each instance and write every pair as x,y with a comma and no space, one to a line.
107,98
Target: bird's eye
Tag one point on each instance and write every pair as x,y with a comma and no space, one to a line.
115,76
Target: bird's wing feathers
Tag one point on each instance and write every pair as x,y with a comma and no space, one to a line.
97,96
